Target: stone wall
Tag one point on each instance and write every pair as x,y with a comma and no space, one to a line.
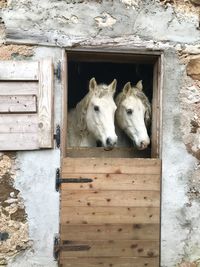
28,201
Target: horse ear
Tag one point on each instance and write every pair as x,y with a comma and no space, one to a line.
113,86
92,84
139,85
127,88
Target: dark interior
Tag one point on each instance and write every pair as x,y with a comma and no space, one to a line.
79,74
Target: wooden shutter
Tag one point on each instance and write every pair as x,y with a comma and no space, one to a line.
110,212
26,104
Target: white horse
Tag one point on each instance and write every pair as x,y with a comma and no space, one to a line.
133,115
91,123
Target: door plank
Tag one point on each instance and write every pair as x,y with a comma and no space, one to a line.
111,231
96,215
96,198
109,262
108,165
109,248
114,182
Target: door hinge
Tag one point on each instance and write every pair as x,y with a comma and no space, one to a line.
59,180
56,247
57,136
58,71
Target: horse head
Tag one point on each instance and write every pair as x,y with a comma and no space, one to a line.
100,113
133,114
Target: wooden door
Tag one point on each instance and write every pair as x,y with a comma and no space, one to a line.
110,212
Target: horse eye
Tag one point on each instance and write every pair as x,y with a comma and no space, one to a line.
96,108
129,111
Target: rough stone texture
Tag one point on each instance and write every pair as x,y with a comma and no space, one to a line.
3,3
13,222
188,264
8,52
193,68
49,22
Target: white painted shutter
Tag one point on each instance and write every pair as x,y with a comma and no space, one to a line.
26,105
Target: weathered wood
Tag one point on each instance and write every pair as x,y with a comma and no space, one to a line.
110,231
96,215
18,104
45,105
118,166
109,262
64,104
23,123
18,141
156,125
18,88
95,198
106,248
114,182
18,70
118,152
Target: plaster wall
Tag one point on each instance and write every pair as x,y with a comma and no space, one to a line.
167,25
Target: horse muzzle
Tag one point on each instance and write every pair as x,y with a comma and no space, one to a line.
143,145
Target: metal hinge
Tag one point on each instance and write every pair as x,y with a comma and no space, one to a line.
59,180
57,136
56,247
58,71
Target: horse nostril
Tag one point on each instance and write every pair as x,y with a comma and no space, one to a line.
99,143
143,145
108,141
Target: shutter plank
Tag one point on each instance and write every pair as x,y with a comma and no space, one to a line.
18,104
18,141
23,123
18,88
45,106
18,70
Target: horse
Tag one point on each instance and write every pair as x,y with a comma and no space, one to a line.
91,122
133,116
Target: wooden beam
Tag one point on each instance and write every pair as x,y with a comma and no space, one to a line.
45,105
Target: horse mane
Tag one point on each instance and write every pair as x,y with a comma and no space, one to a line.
137,93
82,106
